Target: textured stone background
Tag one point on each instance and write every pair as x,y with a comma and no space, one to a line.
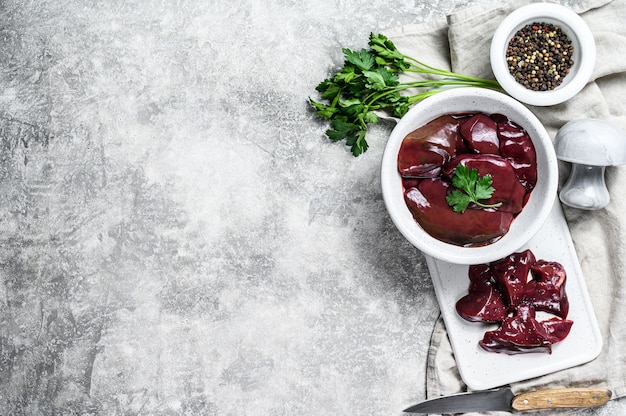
177,237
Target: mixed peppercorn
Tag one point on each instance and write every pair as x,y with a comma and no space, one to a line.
539,56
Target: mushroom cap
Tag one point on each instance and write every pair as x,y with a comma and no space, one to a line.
592,142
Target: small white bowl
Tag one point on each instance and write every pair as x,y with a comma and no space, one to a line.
572,25
536,210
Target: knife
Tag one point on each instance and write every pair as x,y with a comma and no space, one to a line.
503,399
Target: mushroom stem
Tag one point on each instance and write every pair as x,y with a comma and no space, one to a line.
585,188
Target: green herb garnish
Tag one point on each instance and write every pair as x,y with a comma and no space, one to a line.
471,188
368,82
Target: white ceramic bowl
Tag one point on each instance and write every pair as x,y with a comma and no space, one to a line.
572,25
536,210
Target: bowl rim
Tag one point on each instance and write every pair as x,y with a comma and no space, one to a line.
537,209
574,27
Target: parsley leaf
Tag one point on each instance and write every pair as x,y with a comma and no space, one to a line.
386,52
357,143
341,129
324,110
484,190
362,59
471,188
380,79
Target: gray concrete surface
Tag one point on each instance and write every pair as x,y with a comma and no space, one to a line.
177,235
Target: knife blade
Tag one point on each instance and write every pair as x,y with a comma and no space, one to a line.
503,399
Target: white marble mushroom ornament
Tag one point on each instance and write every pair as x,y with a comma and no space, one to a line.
590,145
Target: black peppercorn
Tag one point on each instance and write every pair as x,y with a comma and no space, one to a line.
539,56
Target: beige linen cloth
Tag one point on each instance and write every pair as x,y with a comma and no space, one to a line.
461,43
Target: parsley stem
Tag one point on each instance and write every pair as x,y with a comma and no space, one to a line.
421,96
496,205
372,98
460,77
417,63
421,67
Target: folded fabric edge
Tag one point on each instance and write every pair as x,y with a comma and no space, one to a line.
586,5
496,7
440,354
417,28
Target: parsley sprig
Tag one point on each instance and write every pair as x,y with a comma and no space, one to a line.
368,82
471,188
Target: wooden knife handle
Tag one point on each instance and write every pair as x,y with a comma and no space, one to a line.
561,398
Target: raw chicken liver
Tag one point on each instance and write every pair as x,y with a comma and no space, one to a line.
427,202
510,291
